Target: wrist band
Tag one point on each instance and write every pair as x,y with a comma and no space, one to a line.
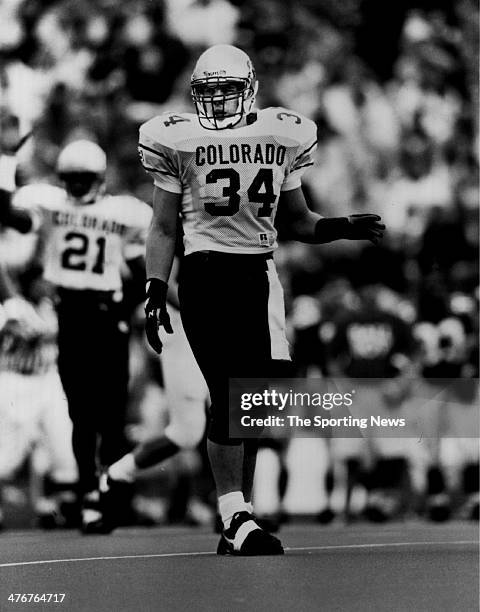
333,228
156,289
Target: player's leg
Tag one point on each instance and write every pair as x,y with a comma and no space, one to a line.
227,332
18,425
111,362
111,380
74,367
57,505
273,368
84,436
186,397
78,339
210,326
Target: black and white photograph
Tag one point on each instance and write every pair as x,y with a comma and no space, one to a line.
239,305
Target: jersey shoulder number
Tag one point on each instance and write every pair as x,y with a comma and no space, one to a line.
288,125
168,130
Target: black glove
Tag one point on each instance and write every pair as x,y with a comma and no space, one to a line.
156,314
355,227
365,227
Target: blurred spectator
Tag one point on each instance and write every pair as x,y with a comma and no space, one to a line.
202,23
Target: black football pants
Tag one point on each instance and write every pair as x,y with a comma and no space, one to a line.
93,366
233,315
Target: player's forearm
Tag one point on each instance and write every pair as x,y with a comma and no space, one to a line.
297,222
307,226
172,294
312,228
303,228
159,254
162,235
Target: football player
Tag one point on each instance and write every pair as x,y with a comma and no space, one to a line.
33,409
85,238
372,344
186,399
228,171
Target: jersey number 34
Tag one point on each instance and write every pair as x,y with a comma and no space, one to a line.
263,179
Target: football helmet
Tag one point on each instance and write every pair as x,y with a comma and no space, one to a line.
82,166
223,87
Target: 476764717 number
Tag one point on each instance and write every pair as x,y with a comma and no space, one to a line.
36,597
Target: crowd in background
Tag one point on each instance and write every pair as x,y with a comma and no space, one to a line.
393,89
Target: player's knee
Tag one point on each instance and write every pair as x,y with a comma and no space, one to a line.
218,432
187,431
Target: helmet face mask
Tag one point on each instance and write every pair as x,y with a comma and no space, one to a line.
83,186
223,87
81,166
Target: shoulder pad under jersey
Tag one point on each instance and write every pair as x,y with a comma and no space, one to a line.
39,195
170,130
288,127
129,210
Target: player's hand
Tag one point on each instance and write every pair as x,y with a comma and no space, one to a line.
365,226
156,314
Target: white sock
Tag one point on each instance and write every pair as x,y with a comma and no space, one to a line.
249,506
123,469
229,504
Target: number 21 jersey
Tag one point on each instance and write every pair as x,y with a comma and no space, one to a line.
85,246
230,179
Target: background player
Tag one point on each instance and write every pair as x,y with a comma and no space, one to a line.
85,239
186,397
225,169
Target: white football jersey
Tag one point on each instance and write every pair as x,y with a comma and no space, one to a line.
85,246
230,179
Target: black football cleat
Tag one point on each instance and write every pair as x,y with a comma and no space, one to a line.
267,522
116,501
245,538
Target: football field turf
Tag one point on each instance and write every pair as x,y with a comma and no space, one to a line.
402,566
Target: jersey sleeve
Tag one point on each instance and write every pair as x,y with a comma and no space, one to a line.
140,215
303,159
36,200
158,156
